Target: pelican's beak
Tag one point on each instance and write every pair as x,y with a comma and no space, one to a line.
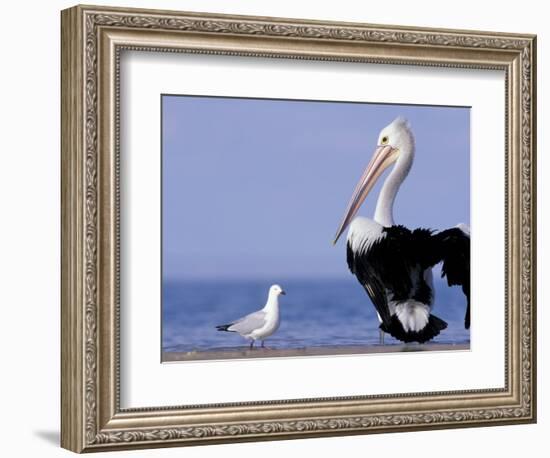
382,158
283,292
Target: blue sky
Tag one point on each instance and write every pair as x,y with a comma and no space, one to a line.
256,188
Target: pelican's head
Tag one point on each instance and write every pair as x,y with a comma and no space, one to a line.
398,135
276,291
395,145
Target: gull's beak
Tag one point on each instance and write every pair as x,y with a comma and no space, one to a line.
283,292
382,158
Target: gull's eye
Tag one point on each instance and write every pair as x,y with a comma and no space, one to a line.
385,140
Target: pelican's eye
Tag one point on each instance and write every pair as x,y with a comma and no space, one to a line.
385,140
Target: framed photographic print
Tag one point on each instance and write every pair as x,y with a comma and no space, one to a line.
278,228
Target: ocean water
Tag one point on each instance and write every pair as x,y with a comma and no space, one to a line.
314,313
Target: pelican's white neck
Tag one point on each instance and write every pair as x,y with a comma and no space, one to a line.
384,206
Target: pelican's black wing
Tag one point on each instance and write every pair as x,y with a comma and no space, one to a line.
388,266
452,247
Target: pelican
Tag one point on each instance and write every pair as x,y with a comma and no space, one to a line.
393,263
261,324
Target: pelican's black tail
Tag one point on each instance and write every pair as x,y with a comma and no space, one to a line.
224,327
433,328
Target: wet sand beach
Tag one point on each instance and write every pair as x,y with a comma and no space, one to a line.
246,353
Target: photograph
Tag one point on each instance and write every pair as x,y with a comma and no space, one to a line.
299,228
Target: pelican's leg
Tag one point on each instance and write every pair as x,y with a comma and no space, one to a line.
263,346
251,344
381,333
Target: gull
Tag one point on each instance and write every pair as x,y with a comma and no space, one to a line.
261,324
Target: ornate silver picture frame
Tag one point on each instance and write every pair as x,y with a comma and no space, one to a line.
93,40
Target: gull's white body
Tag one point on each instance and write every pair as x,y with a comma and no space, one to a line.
261,324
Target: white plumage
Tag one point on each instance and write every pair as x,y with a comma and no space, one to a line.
363,232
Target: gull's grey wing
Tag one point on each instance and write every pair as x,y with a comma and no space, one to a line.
249,323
